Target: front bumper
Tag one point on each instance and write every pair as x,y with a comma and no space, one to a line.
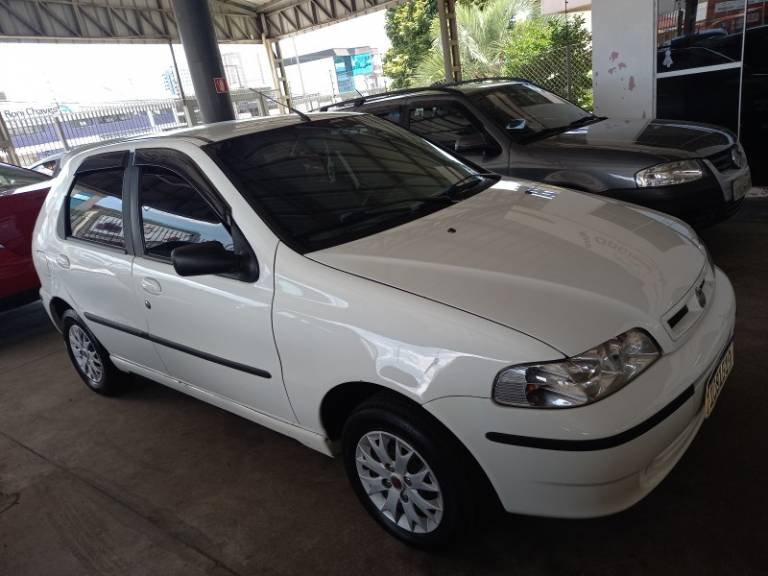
591,461
700,203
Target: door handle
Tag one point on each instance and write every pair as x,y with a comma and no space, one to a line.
151,286
62,261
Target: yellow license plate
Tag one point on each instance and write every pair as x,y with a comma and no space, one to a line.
717,381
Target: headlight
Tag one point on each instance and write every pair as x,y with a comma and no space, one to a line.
581,379
670,174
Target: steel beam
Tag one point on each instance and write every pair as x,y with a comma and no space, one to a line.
110,20
153,20
449,38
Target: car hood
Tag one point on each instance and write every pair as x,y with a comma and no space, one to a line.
567,268
664,139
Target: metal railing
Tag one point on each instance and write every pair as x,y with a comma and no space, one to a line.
27,138
33,137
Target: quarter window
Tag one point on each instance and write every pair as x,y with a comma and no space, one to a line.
96,207
393,115
174,214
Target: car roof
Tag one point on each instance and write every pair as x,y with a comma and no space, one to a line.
233,128
208,133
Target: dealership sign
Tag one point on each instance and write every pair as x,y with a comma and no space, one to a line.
36,111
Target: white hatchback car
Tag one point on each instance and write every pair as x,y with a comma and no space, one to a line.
350,285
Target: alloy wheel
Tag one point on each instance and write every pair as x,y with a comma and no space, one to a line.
87,357
399,482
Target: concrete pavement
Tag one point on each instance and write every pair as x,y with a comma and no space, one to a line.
155,482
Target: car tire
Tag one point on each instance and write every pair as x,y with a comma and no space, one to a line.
427,499
90,358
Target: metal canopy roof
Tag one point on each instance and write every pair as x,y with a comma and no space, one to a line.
154,20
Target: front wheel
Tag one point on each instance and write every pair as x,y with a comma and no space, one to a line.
405,470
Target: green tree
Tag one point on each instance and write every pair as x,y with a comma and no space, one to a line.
408,28
555,53
483,35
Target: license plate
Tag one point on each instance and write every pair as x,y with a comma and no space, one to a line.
741,186
717,381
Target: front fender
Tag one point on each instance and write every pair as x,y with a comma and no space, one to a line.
333,327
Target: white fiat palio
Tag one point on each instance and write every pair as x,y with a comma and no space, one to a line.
446,332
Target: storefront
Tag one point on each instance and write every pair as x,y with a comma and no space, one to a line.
708,62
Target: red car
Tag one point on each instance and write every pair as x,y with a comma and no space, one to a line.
22,193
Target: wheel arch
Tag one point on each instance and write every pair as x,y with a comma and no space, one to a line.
341,401
57,307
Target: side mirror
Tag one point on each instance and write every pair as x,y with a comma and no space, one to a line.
204,258
475,142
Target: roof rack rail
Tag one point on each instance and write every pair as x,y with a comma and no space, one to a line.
483,79
363,99
438,86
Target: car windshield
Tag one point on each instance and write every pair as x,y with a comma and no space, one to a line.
14,177
325,182
525,110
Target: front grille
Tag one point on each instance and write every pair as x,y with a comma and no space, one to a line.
722,160
689,309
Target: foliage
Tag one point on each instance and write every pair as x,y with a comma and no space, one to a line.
482,36
555,53
408,28
496,38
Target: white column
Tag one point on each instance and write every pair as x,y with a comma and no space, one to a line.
624,58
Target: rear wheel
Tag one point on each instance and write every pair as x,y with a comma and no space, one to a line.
89,357
405,471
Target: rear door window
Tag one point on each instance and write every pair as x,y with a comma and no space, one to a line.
95,207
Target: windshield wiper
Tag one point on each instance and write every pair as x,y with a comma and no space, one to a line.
547,132
380,209
468,182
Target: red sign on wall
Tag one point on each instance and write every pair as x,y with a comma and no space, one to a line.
221,85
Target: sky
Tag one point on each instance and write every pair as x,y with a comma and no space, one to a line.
87,73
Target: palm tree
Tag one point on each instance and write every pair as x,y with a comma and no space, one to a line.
483,35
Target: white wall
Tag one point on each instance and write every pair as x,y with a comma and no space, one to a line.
623,57
558,6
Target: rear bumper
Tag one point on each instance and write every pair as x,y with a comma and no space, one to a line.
699,203
603,458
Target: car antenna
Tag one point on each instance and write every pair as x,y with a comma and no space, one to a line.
299,113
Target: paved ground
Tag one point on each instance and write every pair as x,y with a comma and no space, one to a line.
158,483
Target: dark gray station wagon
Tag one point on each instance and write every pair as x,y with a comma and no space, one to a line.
697,172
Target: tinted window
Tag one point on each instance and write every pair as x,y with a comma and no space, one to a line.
525,110
329,181
96,207
393,115
698,33
174,214
443,124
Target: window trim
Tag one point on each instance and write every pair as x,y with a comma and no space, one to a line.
181,165
67,221
140,242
